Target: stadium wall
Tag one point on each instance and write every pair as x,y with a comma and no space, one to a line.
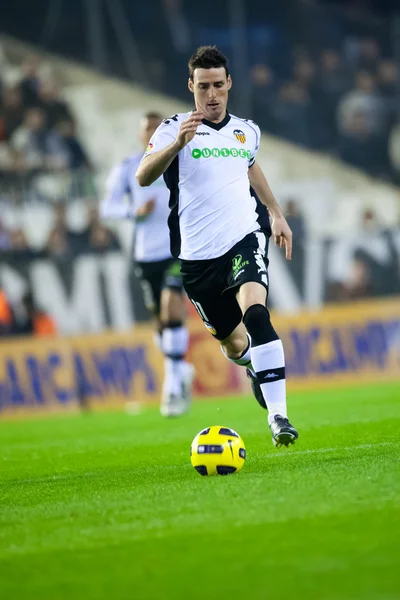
336,346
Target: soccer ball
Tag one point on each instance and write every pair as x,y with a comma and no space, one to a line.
217,450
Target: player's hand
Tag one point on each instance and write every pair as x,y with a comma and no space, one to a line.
146,209
282,235
188,128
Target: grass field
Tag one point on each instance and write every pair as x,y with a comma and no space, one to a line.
108,506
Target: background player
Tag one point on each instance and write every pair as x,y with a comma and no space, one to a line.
218,228
159,273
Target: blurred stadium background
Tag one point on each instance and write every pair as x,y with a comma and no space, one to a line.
322,79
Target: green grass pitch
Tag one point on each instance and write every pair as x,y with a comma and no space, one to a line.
107,505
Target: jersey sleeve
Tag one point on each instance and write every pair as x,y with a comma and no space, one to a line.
117,202
164,135
257,137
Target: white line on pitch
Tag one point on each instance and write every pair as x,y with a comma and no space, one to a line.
334,449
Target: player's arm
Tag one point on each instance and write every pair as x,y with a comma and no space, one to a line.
280,229
155,163
115,204
145,210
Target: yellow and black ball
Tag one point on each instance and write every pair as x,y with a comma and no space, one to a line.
217,450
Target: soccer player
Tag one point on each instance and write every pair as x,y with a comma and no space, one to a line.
219,230
159,273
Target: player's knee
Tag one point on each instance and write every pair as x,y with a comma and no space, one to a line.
258,323
172,306
234,349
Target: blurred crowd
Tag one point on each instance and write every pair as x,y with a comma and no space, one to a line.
63,243
323,78
37,128
319,73
62,246
344,101
24,318
371,268
365,264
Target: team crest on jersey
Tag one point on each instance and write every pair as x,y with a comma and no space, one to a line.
240,136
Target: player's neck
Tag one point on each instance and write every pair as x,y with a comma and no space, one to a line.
217,120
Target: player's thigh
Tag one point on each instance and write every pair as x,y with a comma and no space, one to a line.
250,293
151,276
172,305
205,285
220,314
173,294
248,275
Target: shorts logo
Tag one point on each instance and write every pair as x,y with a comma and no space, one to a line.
175,269
210,328
238,264
240,136
259,256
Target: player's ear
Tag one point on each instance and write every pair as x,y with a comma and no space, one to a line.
191,85
229,80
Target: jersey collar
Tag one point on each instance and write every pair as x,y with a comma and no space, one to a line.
217,126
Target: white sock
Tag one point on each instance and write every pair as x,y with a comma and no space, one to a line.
244,360
269,365
175,341
172,377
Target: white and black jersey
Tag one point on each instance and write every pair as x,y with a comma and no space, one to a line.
124,197
211,205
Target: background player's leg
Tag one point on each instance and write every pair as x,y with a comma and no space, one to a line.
166,306
175,340
267,354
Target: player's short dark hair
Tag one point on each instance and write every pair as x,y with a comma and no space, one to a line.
153,115
207,57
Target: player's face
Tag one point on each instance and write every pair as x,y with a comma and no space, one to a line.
146,129
210,88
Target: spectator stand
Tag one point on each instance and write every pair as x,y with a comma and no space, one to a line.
48,205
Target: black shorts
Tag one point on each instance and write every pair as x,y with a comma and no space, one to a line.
212,284
154,277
